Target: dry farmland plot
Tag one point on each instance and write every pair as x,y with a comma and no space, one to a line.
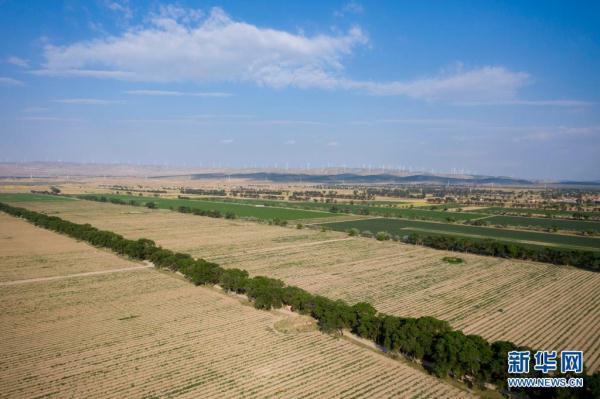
200,236
530,303
29,252
150,334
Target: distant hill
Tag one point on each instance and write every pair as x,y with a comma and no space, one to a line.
333,175
578,183
357,179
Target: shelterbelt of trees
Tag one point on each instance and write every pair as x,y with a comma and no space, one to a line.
442,350
149,204
559,256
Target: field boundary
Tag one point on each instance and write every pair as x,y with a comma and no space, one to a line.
149,265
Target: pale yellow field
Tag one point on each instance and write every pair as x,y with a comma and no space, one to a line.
539,305
28,252
147,334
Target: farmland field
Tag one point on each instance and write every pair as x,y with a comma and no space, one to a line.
561,224
497,298
31,197
410,213
403,227
145,333
47,254
240,210
533,211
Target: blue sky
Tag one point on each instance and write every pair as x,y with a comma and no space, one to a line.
499,88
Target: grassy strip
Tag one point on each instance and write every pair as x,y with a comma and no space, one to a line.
444,351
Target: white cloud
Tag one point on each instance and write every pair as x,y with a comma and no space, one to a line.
351,7
216,49
333,144
290,142
122,8
488,83
86,101
169,93
4,81
17,61
170,12
184,45
226,141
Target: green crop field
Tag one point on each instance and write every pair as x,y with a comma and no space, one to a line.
388,211
402,227
532,211
26,197
561,224
240,210
440,207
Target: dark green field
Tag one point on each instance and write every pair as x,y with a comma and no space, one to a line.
402,227
537,212
240,210
546,223
408,213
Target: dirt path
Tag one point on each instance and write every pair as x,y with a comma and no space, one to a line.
35,280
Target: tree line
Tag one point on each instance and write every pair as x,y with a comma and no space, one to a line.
442,350
213,213
559,256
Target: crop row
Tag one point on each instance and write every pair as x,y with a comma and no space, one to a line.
180,344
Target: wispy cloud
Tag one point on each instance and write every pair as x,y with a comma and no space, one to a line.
290,142
86,73
352,7
534,103
488,83
226,141
283,122
48,119
121,8
169,93
34,109
6,81
87,101
333,144
202,119
222,116
21,62
557,132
